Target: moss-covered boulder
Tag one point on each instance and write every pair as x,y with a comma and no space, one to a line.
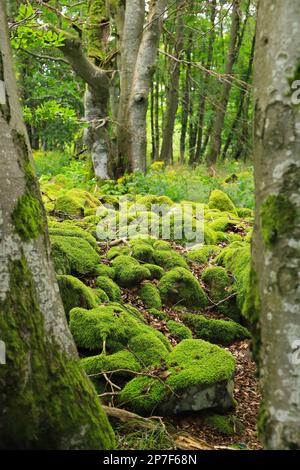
160,314
109,287
199,376
129,272
151,202
179,286
64,229
75,201
122,361
169,259
150,295
105,270
76,294
117,251
215,331
73,255
156,272
178,330
142,251
219,200
202,254
113,328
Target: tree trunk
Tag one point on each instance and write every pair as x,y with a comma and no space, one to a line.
46,400
185,103
276,255
173,89
202,102
157,136
138,100
216,140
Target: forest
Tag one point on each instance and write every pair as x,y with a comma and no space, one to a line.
149,225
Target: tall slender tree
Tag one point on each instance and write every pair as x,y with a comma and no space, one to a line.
275,295
46,400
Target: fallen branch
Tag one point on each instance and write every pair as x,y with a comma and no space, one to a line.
131,419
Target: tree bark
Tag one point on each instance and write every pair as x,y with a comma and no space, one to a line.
216,140
173,89
185,103
46,400
276,255
138,100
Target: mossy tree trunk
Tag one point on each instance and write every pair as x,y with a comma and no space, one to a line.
46,401
276,254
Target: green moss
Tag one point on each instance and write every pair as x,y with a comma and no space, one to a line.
75,294
150,295
142,251
109,287
222,424
73,255
278,215
27,217
67,230
117,251
49,403
158,313
251,312
190,363
219,200
75,201
111,325
210,236
119,360
104,270
236,258
149,201
178,330
169,259
221,224
161,245
101,295
179,286
201,255
216,331
129,272
218,282
244,212
148,348
156,271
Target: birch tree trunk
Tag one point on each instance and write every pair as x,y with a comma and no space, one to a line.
46,400
173,89
276,254
138,100
216,140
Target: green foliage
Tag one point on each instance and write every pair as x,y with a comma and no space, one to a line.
216,331
178,330
75,294
150,296
179,286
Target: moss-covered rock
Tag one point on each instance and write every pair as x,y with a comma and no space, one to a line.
150,200
244,212
109,287
112,328
117,251
218,282
76,294
178,330
215,331
101,295
156,271
105,270
223,424
142,251
150,295
67,230
199,376
161,245
129,272
123,360
202,254
75,201
221,224
73,255
161,315
179,286
169,259
219,200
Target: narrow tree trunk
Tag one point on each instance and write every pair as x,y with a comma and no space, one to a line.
202,102
276,255
152,122
173,89
46,400
216,140
157,136
185,103
138,101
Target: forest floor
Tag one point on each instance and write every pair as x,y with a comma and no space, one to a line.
246,386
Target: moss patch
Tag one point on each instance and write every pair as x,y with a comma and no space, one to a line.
219,200
109,287
150,296
75,294
278,215
27,217
178,330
